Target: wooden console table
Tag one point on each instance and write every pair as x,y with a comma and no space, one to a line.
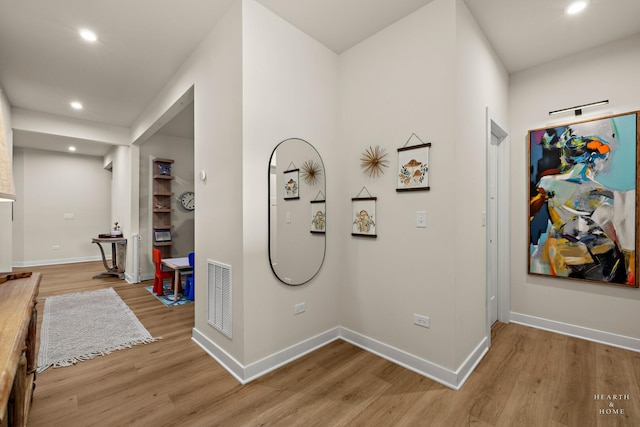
18,317
118,256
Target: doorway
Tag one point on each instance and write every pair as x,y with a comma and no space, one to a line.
497,224
171,137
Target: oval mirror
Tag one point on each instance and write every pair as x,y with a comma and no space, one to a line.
296,211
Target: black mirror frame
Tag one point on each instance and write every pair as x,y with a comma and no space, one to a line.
324,252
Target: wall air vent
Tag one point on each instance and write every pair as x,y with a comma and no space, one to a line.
219,296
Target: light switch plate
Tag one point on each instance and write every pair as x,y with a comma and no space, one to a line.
299,308
421,219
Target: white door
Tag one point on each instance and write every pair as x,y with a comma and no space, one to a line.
492,229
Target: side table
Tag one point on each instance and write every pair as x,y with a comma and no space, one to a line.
118,256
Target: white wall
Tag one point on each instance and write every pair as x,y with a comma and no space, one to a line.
608,72
214,72
402,80
290,90
6,208
433,74
181,151
49,185
482,82
124,191
231,217
399,82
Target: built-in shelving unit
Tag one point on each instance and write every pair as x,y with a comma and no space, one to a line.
162,195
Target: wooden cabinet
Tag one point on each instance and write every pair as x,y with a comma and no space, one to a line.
18,362
162,195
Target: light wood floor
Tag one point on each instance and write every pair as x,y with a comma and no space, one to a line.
528,378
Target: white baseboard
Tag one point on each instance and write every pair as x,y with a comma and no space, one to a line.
469,365
621,341
423,367
227,361
145,277
246,374
444,376
55,261
270,363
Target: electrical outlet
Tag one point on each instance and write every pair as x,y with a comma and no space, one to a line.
55,247
299,308
421,320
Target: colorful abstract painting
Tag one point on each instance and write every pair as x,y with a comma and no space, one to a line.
582,200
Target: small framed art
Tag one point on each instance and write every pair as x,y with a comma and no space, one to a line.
413,168
292,184
364,216
318,216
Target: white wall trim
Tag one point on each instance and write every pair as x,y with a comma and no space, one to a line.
444,376
601,337
261,367
147,276
420,366
55,261
245,374
469,365
495,127
227,361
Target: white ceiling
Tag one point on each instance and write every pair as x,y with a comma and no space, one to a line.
142,43
45,65
52,142
525,33
341,24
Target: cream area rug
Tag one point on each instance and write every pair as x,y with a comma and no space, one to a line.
83,325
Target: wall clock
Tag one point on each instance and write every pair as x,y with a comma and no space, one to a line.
188,200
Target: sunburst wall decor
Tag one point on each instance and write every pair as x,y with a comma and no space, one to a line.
311,172
374,159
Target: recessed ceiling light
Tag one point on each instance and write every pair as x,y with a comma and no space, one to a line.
72,148
575,7
76,105
88,35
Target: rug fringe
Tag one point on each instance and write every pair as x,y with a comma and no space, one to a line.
102,352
